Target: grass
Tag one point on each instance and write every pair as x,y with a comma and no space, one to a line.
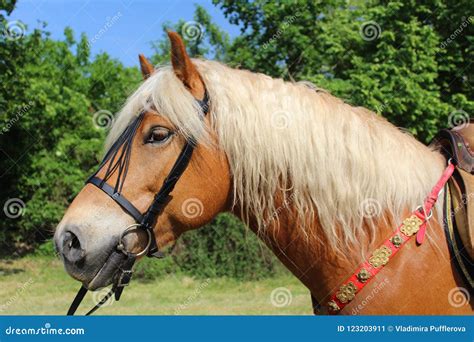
39,285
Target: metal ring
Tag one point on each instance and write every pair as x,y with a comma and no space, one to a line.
422,210
121,246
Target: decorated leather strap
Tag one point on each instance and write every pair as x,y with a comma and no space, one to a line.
415,224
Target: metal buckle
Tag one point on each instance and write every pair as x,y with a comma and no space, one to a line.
121,246
422,210
124,278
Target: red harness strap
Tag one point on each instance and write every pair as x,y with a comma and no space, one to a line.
415,224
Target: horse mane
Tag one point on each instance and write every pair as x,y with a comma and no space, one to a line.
331,161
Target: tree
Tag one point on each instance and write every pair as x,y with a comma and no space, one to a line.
203,38
384,55
56,108
408,61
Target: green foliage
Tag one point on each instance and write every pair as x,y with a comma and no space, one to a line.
415,69
50,138
224,247
405,72
149,269
45,250
203,39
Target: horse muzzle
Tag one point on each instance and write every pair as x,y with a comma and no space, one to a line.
95,263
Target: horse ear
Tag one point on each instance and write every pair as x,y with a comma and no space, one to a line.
183,66
146,66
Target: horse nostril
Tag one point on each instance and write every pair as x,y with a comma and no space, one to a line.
72,250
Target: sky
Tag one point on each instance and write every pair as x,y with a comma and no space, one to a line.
130,25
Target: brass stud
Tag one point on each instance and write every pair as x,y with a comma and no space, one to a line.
380,257
396,240
363,275
411,225
346,292
333,306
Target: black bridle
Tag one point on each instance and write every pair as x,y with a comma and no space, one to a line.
118,158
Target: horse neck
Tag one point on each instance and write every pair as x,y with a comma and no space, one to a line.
305,252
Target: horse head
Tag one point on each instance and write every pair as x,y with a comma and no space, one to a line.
93,226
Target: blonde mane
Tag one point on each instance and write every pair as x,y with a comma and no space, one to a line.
333,162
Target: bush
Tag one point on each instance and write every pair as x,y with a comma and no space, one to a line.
148,269
46,249
224,247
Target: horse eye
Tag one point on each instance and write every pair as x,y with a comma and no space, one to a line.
159,135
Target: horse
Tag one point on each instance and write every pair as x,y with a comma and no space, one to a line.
321,182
